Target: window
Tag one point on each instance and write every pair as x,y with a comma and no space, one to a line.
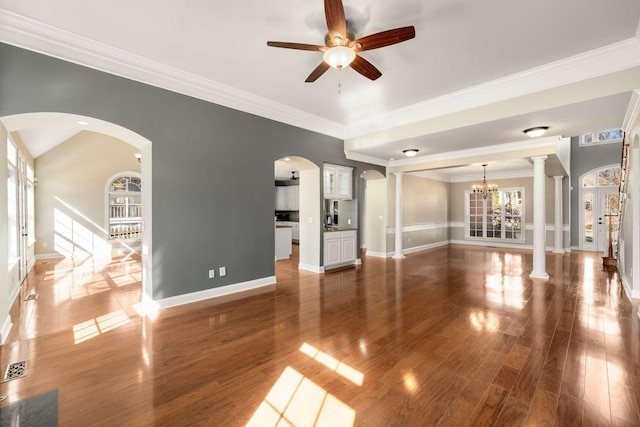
603,136
124,207
608,177
499,216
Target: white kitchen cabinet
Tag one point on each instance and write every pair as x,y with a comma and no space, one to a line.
339,248
287,198
338,182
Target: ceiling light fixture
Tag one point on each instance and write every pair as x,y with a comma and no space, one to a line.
485,189
82,122
410,152
138,157
339,56
536,131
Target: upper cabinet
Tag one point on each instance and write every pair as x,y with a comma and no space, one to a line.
338,182
287,198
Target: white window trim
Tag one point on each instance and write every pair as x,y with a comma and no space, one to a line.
107,217
596,141
522,238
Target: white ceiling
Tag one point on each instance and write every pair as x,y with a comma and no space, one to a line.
476,74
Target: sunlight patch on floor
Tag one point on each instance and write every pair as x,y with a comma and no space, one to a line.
84,331
295,400
343,369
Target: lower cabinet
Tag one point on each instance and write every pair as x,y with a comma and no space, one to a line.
339,248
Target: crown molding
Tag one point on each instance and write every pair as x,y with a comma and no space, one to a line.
608,59
37,36
550,141
521,173
633,112
352,155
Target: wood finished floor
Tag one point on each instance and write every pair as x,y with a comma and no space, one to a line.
456,335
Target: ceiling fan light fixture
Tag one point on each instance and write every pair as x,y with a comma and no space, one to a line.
536,131
339,56
410,152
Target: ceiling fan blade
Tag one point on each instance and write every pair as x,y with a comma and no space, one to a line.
336,22
365,68
297,46
320,70
384,38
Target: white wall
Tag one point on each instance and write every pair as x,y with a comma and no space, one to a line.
376,217
310,222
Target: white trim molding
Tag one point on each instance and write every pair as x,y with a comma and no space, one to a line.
420,227
311,268
6,328
594,63
21,31
206,294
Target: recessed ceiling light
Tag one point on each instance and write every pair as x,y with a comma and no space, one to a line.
410,152
286,159
536,131
82,122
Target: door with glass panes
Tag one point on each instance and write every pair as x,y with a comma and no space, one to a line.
599,203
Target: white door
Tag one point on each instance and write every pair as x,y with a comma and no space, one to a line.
599,206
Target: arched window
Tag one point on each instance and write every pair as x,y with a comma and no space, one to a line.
606,177
124,206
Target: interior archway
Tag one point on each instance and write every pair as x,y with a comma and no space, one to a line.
374,230
59,127
307,175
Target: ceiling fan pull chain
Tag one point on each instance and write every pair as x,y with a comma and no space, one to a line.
339,81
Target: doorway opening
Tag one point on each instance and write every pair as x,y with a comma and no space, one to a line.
297,214
599,204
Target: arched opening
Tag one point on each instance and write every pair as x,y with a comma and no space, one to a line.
72,230
297,207
374,230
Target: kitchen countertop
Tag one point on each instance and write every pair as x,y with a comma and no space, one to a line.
334,229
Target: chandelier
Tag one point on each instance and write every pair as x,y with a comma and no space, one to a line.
485,189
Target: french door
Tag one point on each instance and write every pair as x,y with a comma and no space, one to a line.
599,208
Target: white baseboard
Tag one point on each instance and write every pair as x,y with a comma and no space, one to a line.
378,254
6,328
359,261
311,268
207,294
494,244
52,255
424,247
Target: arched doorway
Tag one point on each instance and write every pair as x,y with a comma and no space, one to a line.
51,129
303,210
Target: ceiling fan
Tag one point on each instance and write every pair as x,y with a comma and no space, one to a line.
341,47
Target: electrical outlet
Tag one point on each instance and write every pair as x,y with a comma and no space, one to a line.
44,245
223,271
212,274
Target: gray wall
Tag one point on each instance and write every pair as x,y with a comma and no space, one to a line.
213,192
584,159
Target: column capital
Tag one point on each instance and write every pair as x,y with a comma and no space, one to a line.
558,177
398,173
537,159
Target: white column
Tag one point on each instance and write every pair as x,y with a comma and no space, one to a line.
559,233
398,245
539,221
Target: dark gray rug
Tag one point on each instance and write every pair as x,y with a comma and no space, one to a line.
40,411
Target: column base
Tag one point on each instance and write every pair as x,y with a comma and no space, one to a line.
398,256
536,275
558,251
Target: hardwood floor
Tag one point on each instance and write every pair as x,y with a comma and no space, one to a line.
457,335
